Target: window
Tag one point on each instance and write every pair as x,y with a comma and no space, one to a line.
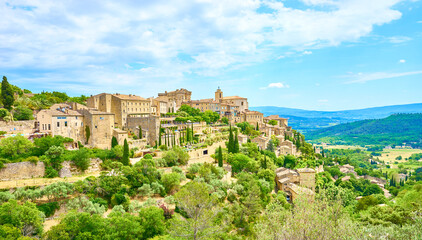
101,118
58,124
65,124
95,126
76,124
49,126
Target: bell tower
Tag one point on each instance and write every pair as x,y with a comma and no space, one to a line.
218,95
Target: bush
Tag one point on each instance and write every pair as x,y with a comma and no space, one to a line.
81,159
32,159
51,172
49,208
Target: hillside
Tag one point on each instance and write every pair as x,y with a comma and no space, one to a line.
393,130
309,120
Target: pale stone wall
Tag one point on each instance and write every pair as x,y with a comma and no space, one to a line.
206,152
149,124
21,170
24,127
307,179
68,169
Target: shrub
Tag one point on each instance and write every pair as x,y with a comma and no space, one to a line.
49,208
32,159
50,172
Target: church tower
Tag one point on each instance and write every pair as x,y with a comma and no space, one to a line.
218,95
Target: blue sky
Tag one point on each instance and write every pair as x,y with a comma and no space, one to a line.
309,54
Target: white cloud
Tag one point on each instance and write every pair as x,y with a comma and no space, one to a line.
307,53
419,21
402,61
366,77
172,38
399,39
275,85
322,100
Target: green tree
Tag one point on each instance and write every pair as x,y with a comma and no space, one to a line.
171,181
272,122
114,142
22,113
220,156
140,132
236,144
152,220
230,146
27,218
225,120
7,94
201,211
14,147
87,134
257,126
125,158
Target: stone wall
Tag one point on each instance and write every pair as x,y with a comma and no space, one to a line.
24,127
21,170
205,152
68,170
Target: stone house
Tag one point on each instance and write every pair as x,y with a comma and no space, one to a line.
296,182
262,142
178,96
120,105
61,120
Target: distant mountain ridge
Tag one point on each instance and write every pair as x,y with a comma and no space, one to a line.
396,129
309,120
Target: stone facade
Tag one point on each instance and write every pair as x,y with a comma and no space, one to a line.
179,96
120,105
101,127
22,170
296,182
68,169
22,127
61,120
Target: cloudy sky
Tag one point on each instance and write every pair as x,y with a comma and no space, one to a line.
310,54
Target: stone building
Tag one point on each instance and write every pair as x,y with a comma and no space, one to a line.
262,142
252,117
281,122
101,127
120,105
296,182
178,96
61,120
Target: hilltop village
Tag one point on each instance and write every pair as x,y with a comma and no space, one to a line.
117,166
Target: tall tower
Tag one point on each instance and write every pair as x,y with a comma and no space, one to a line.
218,95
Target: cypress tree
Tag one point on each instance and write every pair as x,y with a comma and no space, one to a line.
236,143
165,138
187,134
125,159
220,157
114,142
174,139
257,126
159,139
7,95
230,145
265,162
140,132
192,133
87,133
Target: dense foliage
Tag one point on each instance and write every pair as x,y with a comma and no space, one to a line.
397,129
